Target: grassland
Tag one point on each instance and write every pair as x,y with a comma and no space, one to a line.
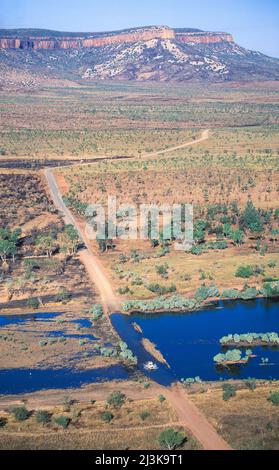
127,119
247,421
135,425
237,165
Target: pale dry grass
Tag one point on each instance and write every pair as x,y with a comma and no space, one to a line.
246,421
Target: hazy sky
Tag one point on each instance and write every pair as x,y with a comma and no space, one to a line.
254,23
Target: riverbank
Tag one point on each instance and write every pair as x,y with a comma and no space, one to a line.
148,305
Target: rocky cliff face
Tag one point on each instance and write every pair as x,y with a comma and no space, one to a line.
203,38
95,40
144,54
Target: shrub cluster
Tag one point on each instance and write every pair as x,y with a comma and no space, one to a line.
250,338
233,356
176,302
191,381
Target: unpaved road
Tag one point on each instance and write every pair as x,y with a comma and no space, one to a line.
191,417
90,260
204,136
188,415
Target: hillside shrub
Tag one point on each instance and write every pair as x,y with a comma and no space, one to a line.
43,417
20,413
171,439
176,302
229,391
62,421
161,290
274,398
116,399
107,416
245,272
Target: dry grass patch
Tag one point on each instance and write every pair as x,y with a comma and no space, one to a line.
247,421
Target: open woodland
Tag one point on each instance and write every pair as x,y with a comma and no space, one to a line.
232,180
236,168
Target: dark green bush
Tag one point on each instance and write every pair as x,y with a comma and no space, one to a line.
161,290
116,399
33,303
62,421
20,413
144,415
229,391
3,422
251,384
274,398
43,417
244,272
171,439
107,416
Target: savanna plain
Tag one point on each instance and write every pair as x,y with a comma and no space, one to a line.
213,146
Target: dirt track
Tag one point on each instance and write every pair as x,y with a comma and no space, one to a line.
90,260
193,419
204,136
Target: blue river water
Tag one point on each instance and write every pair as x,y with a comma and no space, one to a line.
16,381
188,341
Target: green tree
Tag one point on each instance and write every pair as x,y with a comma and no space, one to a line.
250,219
199,231
62,421
229,391
43,417
171,439
251,384
116,399
227,228
144,415
46,244
20,413
245,272
161,398
7,249
107,416
237,237
274,398
69,240
6,234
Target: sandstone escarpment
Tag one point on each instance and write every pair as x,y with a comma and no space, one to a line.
100,40
152,53
203,38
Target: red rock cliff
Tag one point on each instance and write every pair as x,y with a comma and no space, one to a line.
203,38
144,34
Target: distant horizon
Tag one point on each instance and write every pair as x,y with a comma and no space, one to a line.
253,24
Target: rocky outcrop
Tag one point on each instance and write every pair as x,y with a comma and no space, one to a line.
100,40
203,38
9,43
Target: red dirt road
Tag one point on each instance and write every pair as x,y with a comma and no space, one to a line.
190,417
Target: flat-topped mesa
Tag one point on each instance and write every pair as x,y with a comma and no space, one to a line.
203,38
87,40
133,36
